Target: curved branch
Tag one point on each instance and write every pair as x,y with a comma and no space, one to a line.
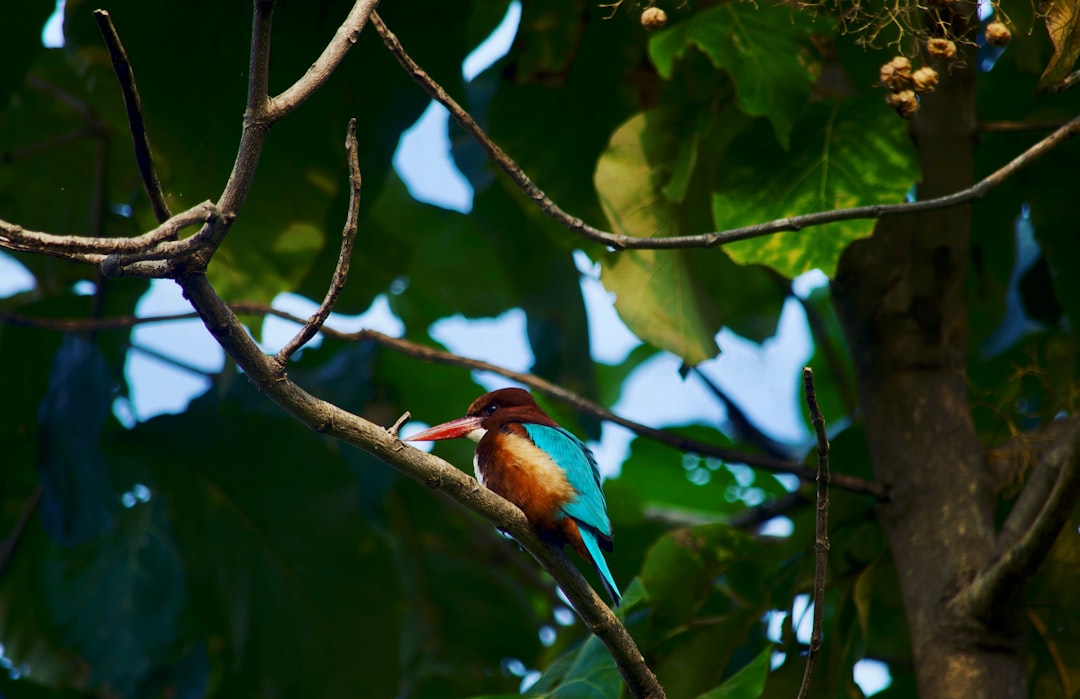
702,240
1029,531
94,250
437,474
332,56
143,158
341,273
428,354
821,528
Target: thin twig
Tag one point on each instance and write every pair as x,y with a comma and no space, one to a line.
82,132
1052,650
427,354
1019,126
703,240
341,273
7,547
399,423
753,517
1029,531
173,362
46,88
821,528
143,158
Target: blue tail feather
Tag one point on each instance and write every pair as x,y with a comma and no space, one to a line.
593,546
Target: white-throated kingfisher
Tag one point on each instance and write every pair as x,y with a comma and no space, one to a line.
524,456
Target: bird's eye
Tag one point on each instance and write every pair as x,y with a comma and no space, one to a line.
490,409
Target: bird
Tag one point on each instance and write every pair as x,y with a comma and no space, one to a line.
552,477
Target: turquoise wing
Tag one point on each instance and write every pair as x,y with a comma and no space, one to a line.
571,454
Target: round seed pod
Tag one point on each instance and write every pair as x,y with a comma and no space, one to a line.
997,34
653,18
924,80
941,48
904,102
896,74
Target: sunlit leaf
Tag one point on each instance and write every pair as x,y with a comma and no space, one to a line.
654,291
1063,24
846,154
766,49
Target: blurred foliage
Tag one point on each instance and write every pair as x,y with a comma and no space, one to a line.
228,552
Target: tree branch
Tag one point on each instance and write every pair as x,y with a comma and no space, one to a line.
332,56
821,528
94,250
428,354
326,418
703,240
341,273
143,158
1029,531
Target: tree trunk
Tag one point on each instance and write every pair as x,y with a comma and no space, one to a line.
899,295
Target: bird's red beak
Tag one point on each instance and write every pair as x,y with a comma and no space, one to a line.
448,430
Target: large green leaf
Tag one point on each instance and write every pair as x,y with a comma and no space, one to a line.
849,153
280,564
654,290
118,601
681,568
766,49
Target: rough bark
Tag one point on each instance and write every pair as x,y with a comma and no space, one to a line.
899,295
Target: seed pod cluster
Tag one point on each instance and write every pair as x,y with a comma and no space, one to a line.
905,85
653,18
998,34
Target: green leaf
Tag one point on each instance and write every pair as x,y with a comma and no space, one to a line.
655,297
654,291
77,499
118,601
845,154
681,568
696,657
587,672
765,48
280,563
20,41
661,476
1063,24
447,264
747,683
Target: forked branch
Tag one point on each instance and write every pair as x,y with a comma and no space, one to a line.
1029,532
